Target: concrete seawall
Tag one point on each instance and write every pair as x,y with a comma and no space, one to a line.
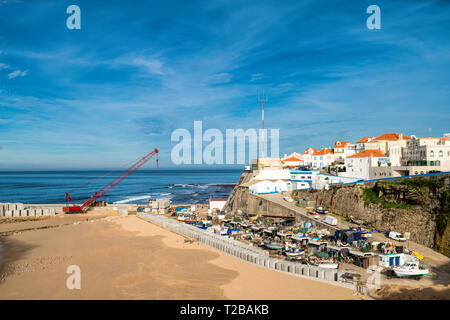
14,210
251,254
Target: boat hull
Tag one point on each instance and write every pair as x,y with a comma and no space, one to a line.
419,273
273,246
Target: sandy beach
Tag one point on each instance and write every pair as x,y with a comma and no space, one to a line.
128,258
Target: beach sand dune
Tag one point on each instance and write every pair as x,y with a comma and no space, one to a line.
128,258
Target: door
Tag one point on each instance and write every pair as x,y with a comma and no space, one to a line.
391,261
397,261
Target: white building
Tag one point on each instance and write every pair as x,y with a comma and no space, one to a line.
322,158
263,187
269,174
339,150
422,155
394,259
366,165
303,179
361,143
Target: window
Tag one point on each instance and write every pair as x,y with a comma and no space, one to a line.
432,153
441,154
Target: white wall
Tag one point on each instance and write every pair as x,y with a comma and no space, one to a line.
217,204
262,187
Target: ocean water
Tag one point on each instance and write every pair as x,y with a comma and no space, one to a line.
180,186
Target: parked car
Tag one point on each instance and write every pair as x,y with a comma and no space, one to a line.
396,236
313,214
288,199
330,220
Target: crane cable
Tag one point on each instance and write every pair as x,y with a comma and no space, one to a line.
89,182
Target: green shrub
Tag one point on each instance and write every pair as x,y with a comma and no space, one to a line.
370,196
418,183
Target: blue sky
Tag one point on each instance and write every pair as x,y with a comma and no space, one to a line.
103,95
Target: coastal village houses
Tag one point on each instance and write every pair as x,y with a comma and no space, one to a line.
386,156
339,151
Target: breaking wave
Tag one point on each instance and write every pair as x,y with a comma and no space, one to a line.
154,196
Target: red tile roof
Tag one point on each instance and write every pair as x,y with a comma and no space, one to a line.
218,200
322,152
391,136
341,145
314,149
293,158
365,139
368,153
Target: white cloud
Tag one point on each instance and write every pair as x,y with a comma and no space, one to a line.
17,73
3,65
222,78
148,64
257,76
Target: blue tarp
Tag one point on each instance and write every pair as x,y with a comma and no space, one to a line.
229,231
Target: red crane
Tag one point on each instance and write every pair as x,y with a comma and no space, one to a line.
87,203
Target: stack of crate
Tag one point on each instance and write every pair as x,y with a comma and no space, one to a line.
160,206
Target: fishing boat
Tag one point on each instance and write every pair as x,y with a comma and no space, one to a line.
322,210
411,269
191,221
273,245
294,253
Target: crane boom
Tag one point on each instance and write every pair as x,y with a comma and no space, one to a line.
87,203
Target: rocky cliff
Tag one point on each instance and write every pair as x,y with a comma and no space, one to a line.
242,202
418,205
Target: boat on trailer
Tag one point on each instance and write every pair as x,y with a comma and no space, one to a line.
411,269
